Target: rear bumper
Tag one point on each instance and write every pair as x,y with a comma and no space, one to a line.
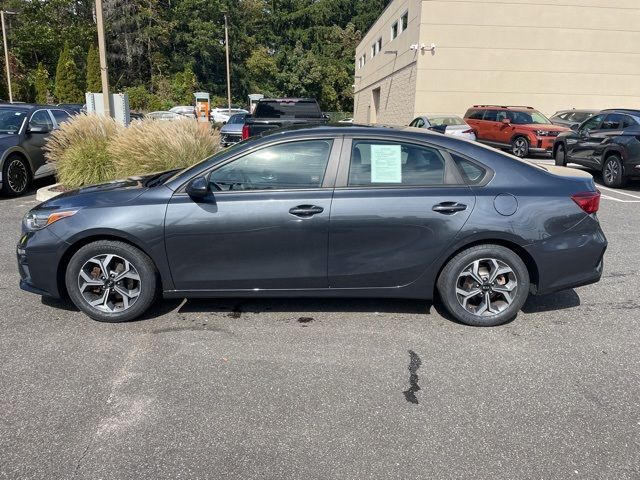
570,260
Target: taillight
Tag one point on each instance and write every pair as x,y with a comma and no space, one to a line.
245,132
468,131
587,201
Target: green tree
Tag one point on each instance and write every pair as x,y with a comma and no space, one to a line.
94,82
67,89
41,84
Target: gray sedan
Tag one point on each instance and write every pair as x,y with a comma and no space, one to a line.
323,211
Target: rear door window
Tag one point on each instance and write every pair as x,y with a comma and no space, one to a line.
385,163
491,115
613,121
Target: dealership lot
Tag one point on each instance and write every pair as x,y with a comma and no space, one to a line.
326,388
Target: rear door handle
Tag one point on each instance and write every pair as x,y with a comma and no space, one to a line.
305,211
448,208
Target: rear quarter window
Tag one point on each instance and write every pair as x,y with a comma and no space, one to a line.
472,173
473,114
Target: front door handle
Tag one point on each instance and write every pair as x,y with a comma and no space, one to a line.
305,211
448,208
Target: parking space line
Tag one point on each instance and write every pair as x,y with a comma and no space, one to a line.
607,197
618,192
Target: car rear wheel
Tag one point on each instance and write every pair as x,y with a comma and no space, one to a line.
16,176
560,156
520,147
111,281
484,286
612,172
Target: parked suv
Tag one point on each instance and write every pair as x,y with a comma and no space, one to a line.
607,142
522,130
24,129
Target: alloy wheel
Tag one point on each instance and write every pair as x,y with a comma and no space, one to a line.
486,287
17,176
109,283
611,171
520,147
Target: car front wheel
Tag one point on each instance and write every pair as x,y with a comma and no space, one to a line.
16,176
111,281
520,147
560,156
484,286
612,172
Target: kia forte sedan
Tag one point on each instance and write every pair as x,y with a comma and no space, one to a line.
323,211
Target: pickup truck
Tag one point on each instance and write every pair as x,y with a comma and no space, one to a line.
273,113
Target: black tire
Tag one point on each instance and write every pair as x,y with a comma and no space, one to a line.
560,156
453,279
114,308
613,172
520,147
16,176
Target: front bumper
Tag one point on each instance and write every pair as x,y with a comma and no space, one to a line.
542,145
38,255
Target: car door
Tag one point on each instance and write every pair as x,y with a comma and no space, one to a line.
490,126
265,224
35,140
396,206
580,146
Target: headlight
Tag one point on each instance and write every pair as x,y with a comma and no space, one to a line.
542,133
37,220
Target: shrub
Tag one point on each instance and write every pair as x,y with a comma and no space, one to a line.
80,150
152,146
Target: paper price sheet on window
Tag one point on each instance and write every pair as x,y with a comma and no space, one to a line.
386,164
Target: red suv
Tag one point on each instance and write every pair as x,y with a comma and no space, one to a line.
522,130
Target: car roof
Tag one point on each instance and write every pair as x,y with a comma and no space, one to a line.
629,111
578,110
27,106
519,108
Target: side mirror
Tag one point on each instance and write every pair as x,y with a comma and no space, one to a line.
506,121
439,128
198,187
38,129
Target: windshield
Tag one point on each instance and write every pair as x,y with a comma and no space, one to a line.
11,120
526,118
238,118
450,120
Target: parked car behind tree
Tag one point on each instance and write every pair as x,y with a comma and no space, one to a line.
24,130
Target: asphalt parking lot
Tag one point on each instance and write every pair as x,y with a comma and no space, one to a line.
278,389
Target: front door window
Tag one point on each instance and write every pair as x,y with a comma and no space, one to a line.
294,165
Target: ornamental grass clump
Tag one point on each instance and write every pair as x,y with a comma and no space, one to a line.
80,150
153,146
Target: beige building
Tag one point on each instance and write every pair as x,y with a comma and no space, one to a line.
549,54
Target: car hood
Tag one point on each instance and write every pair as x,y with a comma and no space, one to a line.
116,192
547,127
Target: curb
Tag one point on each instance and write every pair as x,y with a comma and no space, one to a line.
46,193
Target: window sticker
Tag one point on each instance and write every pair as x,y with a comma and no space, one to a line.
386,164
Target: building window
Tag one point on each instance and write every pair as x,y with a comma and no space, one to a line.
379,45
364,59
404,21
394,30
373,50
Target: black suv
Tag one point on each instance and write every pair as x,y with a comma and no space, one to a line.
608,142
24,129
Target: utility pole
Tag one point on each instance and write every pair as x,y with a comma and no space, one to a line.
6,52
226,44
104,72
